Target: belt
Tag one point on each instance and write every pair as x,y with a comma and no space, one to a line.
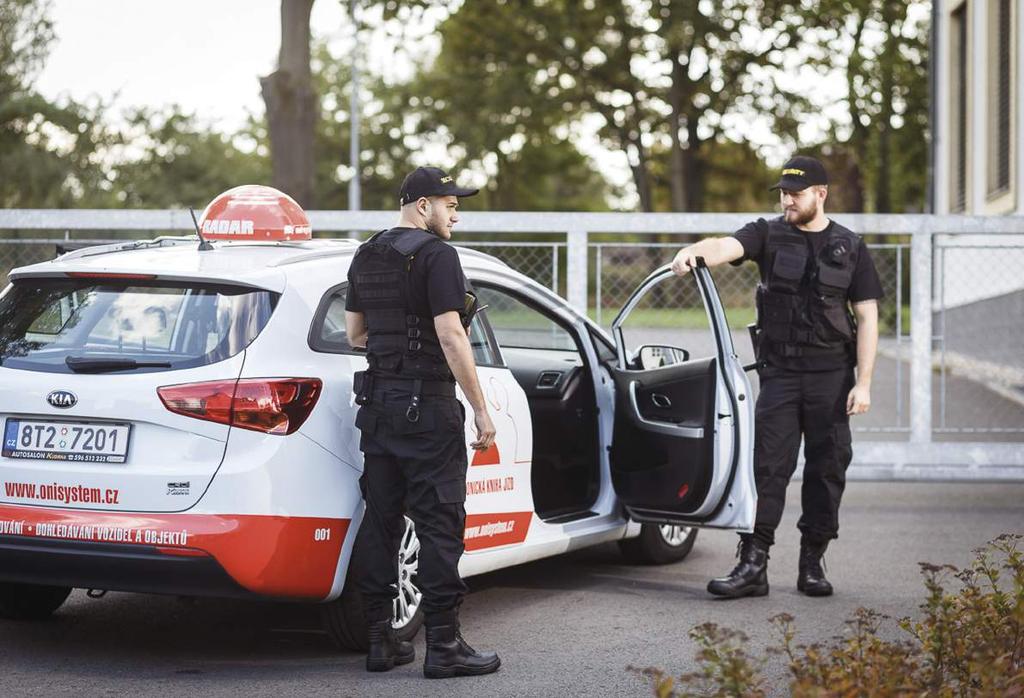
366,384
792,350
434,388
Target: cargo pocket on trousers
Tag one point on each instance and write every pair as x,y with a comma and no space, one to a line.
366,420
451,491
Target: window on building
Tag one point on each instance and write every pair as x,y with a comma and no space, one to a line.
958,111
1000,52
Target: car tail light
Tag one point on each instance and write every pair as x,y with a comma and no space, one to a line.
270,405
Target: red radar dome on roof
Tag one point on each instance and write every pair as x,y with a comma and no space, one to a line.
254,212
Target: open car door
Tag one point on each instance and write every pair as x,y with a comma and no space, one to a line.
682,449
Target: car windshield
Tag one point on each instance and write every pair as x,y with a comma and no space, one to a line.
62,325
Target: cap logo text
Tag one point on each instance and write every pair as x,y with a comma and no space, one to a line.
445,180
792,171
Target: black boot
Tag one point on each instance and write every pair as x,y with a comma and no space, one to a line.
449,655
750,576
811,579
386,650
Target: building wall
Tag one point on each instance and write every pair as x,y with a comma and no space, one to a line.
975,72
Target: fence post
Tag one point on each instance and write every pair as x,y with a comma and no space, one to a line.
921,336
576,269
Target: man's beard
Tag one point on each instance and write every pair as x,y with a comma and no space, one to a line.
435,225
797,216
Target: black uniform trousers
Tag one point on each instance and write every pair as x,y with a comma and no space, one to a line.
792,404
417,468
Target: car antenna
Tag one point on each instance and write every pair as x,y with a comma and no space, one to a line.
204,244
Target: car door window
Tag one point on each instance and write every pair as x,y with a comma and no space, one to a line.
670,317
327,333
518,326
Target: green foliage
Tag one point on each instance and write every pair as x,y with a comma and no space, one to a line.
48,151
878,157
658,81
177,161
967,642
523,92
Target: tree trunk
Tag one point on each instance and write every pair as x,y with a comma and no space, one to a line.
678,175
858,141
693,169
883,183
642,177
292,106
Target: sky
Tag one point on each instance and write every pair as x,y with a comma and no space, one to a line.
206,55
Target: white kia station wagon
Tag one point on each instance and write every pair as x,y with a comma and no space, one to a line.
179,419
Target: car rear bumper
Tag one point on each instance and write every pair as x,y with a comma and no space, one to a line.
113,567
279,556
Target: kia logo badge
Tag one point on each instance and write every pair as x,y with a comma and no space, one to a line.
62,398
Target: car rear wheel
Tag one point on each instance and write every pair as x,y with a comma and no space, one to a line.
659,544
345,619
30,601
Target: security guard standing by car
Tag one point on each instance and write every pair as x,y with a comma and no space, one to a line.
409,304
807,345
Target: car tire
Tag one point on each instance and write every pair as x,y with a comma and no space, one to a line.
659,544
344,619
30,601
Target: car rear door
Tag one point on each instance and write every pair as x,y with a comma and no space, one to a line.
682,449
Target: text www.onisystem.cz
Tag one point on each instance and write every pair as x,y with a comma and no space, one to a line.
66,494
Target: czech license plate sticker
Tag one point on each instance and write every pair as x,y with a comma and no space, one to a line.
83,442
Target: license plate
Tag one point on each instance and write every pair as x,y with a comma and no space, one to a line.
84,442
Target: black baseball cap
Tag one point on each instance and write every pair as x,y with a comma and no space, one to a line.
801,172
430,181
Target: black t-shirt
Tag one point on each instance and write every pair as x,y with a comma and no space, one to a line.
864,286
437,282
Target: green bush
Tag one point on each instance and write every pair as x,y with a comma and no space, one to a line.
967,642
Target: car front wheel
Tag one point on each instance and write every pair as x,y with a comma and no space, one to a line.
30,601
659,544
345,618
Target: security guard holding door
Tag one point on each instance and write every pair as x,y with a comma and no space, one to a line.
808,345
408,304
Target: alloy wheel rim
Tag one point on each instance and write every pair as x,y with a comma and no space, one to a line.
407,600
675,535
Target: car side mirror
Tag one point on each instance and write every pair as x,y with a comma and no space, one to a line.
656,356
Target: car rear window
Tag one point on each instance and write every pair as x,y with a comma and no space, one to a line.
52,324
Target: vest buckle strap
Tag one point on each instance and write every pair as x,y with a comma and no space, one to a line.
414,333
415,345
412,320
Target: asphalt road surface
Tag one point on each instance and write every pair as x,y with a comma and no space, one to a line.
566,626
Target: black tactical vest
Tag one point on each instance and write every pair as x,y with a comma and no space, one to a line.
399,342
802,306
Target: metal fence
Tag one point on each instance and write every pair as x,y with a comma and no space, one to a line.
948,396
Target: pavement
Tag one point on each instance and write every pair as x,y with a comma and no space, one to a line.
565,626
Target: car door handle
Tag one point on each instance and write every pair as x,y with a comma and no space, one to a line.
661,401
548,379
667,428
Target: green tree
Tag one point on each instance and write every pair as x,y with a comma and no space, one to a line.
664,77
880,47
179,161
48,151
